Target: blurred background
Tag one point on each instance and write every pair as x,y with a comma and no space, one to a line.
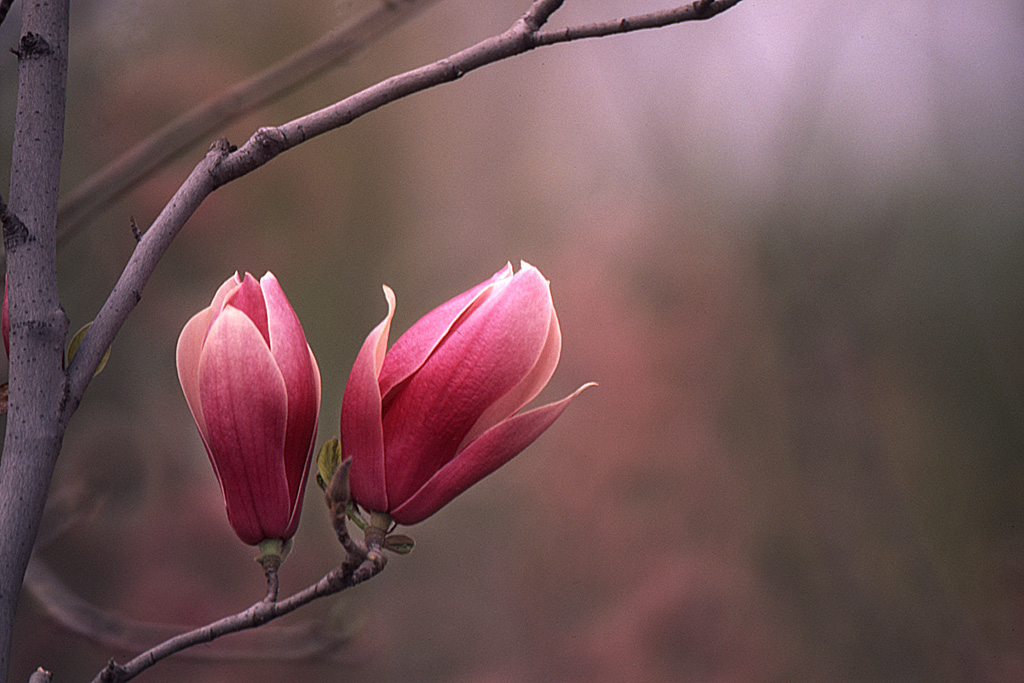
786,242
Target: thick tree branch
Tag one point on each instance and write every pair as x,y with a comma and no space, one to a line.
166,144
224,163
351,573
37,323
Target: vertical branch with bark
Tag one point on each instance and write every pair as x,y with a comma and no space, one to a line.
35,424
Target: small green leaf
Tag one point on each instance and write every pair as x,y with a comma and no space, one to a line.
327,461
76,342
352,512
399,543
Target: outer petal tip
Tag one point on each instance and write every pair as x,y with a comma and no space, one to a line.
362,436
490,451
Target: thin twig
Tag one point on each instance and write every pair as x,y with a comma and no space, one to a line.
168,143
70,612
223,163
539,13
69,508
273,584
703,9
350,573
136,233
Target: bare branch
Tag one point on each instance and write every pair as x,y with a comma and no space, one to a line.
168,143
69,611
128,290
702,9
539,13
37,323
224,163
347,575
273,584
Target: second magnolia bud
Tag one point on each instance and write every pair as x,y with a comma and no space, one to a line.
430,417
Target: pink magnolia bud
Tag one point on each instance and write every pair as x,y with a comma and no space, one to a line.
437,412
253,386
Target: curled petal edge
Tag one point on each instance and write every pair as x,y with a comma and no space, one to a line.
413,348
490,451
190,345
362,431
293,521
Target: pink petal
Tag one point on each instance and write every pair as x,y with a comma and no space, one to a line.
304,471
301,377
492,450
190,345
248,298
245,405
532,383
362,432
486,355
224,290
420,340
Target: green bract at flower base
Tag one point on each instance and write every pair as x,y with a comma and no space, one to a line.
273,552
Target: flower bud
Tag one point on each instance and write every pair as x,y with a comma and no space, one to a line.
437,412
253,386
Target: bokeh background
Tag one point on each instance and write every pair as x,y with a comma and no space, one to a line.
787,243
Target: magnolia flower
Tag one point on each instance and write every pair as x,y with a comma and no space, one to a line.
253,386
436,413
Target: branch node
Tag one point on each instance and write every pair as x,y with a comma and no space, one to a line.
32,45
539,13
113,672
271,140
701,7
15,231
219,151
222,147
136,233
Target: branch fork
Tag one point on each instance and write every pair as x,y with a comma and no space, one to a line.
353,571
